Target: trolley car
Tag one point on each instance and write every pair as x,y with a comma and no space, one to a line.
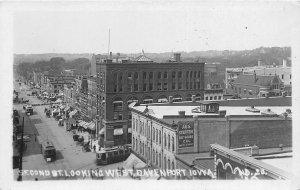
48,151
112,155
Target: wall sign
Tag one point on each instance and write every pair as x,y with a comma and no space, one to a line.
185,134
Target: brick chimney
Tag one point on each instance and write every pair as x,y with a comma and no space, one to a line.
170,99
177,57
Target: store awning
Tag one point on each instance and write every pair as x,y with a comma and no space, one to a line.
118,131
102,131
85,125
129,130
91,126
134,162
73,113
56,110
58,101
81,123
67,108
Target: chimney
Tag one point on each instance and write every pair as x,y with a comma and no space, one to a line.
170,99
284,63
177,57
181,113
193,98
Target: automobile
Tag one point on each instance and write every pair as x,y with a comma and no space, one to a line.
29,110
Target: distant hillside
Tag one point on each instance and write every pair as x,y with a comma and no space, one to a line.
31,58
227,58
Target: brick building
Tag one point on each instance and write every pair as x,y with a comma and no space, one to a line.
253,85
179,135
144,81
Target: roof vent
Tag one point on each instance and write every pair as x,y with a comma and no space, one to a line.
181,113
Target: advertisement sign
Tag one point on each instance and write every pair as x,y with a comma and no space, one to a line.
185,134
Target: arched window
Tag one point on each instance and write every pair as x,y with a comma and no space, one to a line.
162,99
133,144
118,109
147,100
165,140
159,160
159,137
136,143
168,142
173,144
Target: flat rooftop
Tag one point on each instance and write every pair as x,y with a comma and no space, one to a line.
159,111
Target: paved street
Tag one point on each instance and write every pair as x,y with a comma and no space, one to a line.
40,128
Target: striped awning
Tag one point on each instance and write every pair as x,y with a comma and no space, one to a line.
118,131
102,131
91,126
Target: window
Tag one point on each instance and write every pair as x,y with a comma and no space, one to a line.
133,144
173,144
173,165
179,74
136,75
150,75
133,124
245,91
159,160
173,86
156,136
153,134
168,142
173,74
159,138
187,85
150,86
165,140
165,86
165,75
220,97
179,85
187,74
159,86
144,87
290,76
282,76
210,97
215,97
144,75
135,87
159,75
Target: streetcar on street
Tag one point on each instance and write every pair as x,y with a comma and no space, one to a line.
112,155
49,151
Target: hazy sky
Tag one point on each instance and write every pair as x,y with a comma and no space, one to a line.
153,26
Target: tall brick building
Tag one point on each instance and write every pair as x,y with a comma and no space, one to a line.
144,81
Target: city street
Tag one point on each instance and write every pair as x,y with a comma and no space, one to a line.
40,128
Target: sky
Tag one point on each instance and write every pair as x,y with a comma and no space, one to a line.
153,26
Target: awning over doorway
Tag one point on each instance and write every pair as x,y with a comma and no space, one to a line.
118,131
91,126
102,131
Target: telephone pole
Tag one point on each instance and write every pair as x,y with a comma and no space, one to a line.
21,152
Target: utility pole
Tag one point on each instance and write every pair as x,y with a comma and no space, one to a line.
21,152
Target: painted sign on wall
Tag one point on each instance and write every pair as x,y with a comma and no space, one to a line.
185,134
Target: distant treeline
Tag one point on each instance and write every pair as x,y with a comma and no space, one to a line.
55,63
